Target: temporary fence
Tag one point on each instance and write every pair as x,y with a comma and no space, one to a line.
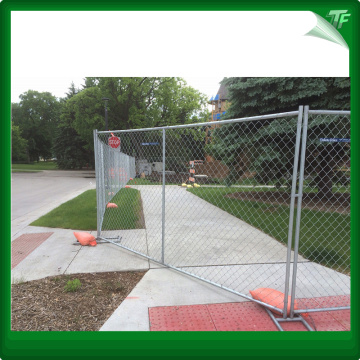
258,206
113,171
324,239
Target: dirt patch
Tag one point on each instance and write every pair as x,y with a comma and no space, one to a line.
338,202
44,305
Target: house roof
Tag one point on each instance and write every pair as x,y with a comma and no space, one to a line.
222,94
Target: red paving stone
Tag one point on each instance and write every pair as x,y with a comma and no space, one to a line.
246,316
343,317
25,244
324,321
181,318
330,320
333,301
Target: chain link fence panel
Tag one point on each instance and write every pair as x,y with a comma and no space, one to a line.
325,213
217,201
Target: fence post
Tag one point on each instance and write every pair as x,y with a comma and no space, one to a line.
298,211
292,204
96,150
163,201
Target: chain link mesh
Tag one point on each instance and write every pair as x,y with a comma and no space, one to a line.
325,214
223,212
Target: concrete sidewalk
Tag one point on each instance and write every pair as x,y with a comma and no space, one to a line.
256,259
57,255
163,286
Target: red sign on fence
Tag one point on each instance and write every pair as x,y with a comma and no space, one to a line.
114,142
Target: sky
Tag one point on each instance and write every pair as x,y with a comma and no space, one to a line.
49,50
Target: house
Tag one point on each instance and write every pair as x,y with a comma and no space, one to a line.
219,104
210,167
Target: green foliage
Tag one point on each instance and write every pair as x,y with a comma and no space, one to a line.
18,145
150,101
133,103
64,128
84,112
69,149
72,91
37,115
260,96
183,145
269,145
72,285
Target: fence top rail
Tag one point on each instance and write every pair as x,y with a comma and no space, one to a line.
209,123
330,112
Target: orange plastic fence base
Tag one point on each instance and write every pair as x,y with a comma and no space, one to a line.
85,238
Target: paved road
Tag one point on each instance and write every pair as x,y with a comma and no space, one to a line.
35,194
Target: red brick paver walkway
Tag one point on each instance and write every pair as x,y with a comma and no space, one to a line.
25,244
243,316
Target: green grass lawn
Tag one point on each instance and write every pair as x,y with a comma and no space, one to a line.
324,236
138,181
249,185
80,212
34,167
128,215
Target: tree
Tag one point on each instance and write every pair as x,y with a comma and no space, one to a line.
72,91
84,112
37,116
18,145
149,101
259,96
267,143
133,103
69,148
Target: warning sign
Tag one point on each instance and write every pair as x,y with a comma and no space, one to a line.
114,142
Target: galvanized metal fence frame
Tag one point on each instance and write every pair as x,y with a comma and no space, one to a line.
307,113
297,184
104,181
